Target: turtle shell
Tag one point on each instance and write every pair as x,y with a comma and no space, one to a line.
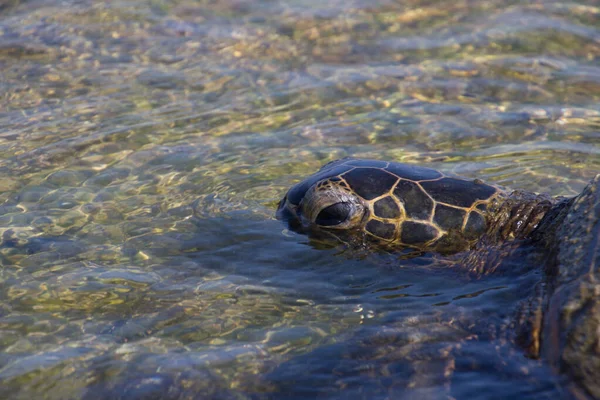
408,205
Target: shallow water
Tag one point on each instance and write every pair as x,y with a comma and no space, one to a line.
144,146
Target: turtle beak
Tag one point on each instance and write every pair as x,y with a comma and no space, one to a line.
280,207
288,212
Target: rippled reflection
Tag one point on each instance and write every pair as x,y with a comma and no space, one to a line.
144,147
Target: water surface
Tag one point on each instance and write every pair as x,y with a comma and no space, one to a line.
144,146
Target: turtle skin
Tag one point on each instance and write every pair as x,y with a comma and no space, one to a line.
569,331
411,206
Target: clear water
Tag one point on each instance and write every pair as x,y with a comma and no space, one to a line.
144,146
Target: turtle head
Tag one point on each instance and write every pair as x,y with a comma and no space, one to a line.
388,203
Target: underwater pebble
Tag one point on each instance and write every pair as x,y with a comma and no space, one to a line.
65,178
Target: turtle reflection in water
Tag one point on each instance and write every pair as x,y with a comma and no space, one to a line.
372,203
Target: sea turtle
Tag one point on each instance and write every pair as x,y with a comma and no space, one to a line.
371,203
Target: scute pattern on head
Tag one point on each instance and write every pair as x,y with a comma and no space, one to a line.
370,183
475,226
416,232
417,203
413,172
381,229
406,205
386,208
416,206
458,192
449,217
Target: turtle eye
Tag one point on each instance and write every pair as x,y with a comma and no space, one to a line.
335,214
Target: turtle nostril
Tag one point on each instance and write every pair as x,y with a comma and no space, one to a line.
335,214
